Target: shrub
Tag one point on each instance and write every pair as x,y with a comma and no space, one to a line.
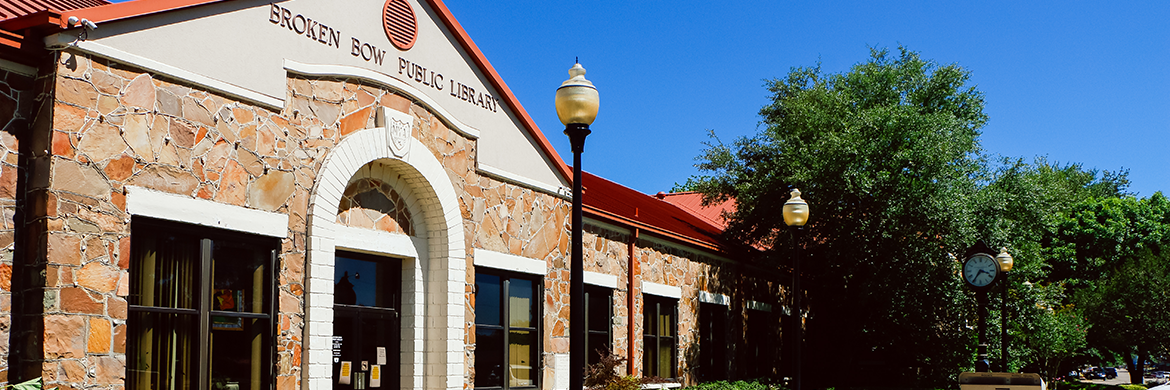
1133,387
737,385
603,375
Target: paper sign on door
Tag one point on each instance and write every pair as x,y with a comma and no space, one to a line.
343,377
376,376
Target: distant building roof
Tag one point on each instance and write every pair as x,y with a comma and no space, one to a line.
693,202
608,199
15,8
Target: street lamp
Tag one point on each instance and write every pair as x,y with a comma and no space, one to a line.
1005,264
577,103
795,216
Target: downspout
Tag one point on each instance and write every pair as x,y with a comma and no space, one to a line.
631,298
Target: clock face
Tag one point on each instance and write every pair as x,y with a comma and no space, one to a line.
980,270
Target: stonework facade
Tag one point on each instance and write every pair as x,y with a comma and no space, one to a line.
93,144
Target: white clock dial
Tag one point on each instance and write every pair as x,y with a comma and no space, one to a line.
980,270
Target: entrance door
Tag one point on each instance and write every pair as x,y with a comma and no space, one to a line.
366,322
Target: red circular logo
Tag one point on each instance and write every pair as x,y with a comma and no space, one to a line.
399,23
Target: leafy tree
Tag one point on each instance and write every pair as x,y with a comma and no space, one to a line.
1117,252
1051,332
888,156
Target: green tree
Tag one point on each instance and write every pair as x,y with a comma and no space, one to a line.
888,156
1117,252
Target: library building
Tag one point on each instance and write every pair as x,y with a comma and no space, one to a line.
329,194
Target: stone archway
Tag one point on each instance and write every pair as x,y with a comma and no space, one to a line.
441,260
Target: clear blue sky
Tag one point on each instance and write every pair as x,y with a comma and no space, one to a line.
1075,81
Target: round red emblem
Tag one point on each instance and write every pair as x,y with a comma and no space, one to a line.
400,25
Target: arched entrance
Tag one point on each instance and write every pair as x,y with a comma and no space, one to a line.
433,259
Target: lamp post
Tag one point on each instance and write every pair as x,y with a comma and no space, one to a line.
577,102
795,216
1005,264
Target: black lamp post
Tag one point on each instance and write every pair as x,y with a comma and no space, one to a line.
795,216
1005,264
577,102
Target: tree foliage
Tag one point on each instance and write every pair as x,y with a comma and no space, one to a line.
888,156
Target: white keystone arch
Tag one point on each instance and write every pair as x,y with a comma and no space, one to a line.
433,342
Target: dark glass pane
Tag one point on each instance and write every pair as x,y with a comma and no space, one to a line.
521,359
237,354
521,305
649,356
599,304
161,351
358,333
365,282
665,358
649,308
666,324
165,270
239,273
598,346
489,357
487,299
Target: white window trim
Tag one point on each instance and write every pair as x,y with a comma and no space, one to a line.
600,279
510,262
375,241
661,290
718,299
757,305
146,202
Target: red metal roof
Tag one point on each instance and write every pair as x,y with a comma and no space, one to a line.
693,202
610,200
15,8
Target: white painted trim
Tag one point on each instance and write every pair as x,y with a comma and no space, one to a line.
600,279
648,236
353,71
555,190
718,299
655,386
433,284
757,305
661,290
608,226
21,69
155,204
62,40
374,241
510,262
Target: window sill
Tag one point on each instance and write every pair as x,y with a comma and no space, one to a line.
661,386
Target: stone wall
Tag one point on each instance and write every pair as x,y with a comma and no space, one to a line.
16,107
114,126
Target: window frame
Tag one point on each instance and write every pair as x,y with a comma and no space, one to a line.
649,324
201,316
713,324
505,311
593,295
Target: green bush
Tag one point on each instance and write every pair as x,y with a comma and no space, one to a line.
1133,387
737,385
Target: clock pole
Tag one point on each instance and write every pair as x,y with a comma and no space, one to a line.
981,363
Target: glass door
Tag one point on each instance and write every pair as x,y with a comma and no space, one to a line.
366,322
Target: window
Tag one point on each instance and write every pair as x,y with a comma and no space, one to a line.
200,308
660,324
366,323
507,331
712,342
599,301
761,330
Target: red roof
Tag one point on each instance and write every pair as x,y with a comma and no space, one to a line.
15,8
606,199
693,203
